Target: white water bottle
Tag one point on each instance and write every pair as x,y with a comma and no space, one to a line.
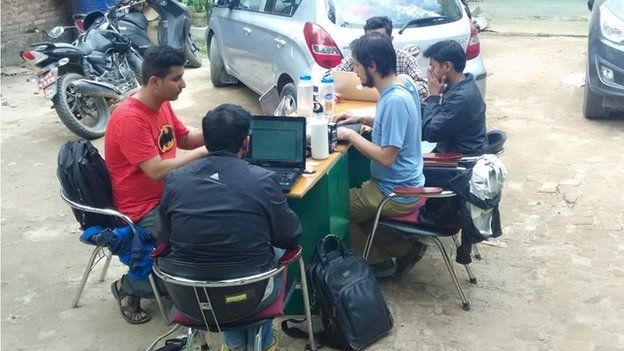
318,134
305,89
326,96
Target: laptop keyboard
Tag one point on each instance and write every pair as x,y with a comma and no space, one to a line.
286,177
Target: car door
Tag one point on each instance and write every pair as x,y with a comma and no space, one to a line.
271,41
238,35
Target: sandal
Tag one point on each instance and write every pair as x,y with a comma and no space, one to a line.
132,308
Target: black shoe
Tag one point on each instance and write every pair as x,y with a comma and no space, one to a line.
405,263
384,269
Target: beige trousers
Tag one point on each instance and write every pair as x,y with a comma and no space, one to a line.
388,243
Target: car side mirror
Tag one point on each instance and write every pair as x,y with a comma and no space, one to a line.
233,3
56,32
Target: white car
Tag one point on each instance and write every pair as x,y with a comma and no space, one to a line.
262,43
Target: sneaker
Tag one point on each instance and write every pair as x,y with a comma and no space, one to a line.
384,269
406,263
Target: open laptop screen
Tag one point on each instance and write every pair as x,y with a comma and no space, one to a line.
277,141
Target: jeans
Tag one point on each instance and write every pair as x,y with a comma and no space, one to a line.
243,339
142,288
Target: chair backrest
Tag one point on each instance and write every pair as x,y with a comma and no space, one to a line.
496,140
214,303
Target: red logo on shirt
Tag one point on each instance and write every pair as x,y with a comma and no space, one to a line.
166,139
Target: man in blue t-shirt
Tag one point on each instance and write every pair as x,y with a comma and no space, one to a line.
395,154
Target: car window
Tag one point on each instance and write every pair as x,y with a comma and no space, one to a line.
282,7
354,13
249,5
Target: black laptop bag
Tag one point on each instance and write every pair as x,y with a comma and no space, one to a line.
352,308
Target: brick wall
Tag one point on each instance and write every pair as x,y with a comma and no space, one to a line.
22,21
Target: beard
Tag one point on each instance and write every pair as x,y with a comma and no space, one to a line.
369,81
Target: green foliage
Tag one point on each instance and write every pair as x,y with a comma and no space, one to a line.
199,5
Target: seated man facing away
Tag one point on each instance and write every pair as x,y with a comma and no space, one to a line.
142,137
454,116
406,63
395,154
220,210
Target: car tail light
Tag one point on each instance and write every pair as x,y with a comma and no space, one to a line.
474,46
322,47
33,57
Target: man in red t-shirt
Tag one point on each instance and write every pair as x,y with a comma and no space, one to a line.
140,148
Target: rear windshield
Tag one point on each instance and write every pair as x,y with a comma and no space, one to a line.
354,13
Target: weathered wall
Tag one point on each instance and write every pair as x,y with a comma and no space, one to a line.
22,21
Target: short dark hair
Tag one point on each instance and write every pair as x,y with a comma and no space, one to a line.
375,47
448,50
225,128
379,22
158,60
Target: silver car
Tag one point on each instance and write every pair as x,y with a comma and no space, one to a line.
262,43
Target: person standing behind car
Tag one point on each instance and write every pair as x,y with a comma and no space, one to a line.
406,63
454,113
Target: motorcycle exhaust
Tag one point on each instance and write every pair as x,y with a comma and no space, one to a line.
98,89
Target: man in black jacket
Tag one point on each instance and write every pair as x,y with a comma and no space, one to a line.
454,113
222,211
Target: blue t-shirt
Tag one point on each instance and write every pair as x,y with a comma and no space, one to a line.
398,124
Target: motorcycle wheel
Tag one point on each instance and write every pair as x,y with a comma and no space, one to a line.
191,53
86,116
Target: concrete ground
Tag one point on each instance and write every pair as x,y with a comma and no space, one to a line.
553,281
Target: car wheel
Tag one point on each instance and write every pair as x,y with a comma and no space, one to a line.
592,105
218,76
289,90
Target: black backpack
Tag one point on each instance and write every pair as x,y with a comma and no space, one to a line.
84,179
345,291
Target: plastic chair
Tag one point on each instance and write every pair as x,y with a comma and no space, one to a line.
409,224
100,251
221,305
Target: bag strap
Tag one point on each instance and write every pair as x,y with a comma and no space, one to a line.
321,248
297,333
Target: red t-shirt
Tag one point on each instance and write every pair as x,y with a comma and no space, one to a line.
136,133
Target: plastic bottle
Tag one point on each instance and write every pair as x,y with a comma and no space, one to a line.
326,96
318,133
305,89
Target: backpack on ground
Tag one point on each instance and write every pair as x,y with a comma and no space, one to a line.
84,179
345,291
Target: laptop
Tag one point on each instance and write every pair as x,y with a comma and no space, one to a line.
349,86
269,101
278,144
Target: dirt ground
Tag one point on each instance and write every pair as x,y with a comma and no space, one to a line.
553,281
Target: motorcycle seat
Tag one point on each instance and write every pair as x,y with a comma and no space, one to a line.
85,50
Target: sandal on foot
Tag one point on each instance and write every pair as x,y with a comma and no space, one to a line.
131,309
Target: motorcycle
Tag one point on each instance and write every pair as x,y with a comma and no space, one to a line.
84,78
174,26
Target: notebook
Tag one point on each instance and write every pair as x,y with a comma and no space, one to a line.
349,86
278,144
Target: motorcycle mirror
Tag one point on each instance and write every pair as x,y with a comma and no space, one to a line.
56,32
233,3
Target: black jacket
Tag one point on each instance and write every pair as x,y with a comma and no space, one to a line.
223,212
456,122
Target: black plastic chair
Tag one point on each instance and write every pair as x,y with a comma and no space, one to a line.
221,305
